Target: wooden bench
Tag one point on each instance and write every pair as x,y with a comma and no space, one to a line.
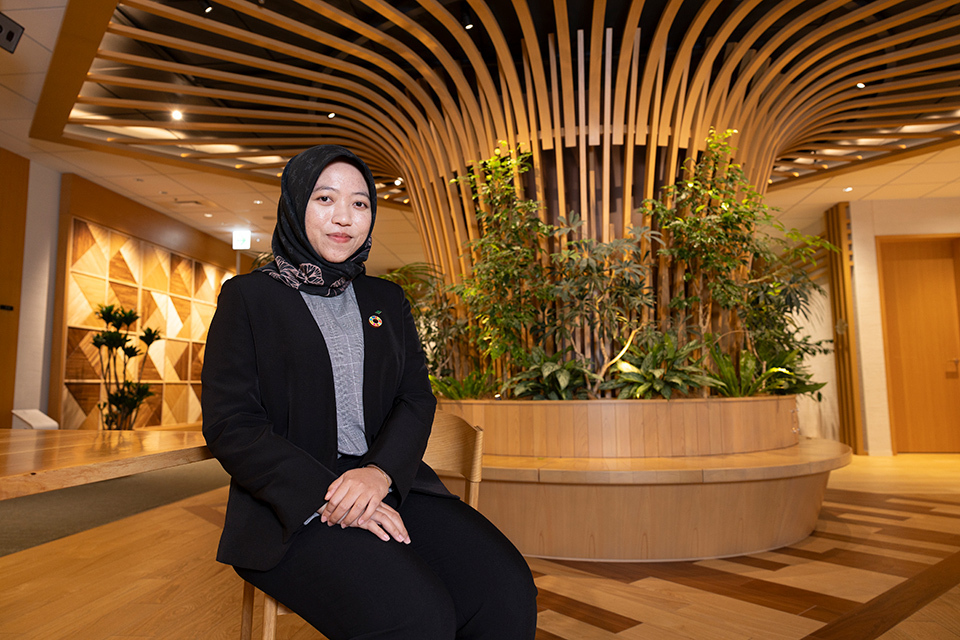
668,508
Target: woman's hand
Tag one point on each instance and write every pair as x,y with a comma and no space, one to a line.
354,497
385,524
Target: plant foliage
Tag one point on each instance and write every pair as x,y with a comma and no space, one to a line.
658,366
117,351
549,377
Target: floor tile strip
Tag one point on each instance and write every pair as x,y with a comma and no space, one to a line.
881,614
602,618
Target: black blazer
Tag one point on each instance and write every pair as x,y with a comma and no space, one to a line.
269,415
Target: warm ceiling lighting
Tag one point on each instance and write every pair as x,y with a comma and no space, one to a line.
331,115
386,196
406,201
177,114
860,85
208,215
398,181
258,202
206,6
847,189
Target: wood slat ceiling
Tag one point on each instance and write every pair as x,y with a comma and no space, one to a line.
815,88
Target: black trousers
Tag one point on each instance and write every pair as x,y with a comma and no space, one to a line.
458,578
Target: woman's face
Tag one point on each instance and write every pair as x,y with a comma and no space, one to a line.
338,213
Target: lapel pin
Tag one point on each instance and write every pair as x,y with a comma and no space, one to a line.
375,320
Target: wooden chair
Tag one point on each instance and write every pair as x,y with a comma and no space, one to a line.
455,449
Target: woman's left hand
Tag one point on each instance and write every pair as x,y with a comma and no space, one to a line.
353,498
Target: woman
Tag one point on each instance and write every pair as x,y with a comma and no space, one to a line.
316,401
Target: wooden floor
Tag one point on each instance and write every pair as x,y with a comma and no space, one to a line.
884,562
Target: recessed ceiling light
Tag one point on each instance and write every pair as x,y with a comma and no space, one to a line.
406,201
258,202
847,189
177,114
386,196
398,181
860,85
208,215
331,115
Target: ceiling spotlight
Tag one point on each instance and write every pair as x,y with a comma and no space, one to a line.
860,85
206,6
177,114
466,18
386,196
398,181
258,202
208,215
847,189
406,201
331,115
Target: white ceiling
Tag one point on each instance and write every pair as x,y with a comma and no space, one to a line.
218,205
211,203
933,175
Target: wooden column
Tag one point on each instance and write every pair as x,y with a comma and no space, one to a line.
14,177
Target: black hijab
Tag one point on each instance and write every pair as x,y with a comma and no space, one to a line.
296,263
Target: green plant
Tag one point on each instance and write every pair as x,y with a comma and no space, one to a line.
721,267
779,373
475,384
124,395
548,377
658,366
507,288
441,331
599,285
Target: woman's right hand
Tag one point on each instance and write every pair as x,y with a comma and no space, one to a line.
386,523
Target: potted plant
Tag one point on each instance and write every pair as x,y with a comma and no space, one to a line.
118,352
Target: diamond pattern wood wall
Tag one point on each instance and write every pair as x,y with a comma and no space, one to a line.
171,292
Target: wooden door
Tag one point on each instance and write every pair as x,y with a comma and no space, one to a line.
921,323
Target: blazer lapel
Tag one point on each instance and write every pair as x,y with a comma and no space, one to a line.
376,346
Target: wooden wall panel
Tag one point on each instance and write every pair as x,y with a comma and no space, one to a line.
14,179
114,251
846,357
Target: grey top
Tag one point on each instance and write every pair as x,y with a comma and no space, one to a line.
342,327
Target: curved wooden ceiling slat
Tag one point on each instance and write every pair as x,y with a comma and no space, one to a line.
609,97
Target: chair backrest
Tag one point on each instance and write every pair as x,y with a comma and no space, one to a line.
456,448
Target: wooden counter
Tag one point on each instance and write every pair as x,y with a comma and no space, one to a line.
35,461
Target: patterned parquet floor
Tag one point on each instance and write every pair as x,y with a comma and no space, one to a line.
884,562
876,567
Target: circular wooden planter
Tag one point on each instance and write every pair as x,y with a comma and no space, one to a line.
638,480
